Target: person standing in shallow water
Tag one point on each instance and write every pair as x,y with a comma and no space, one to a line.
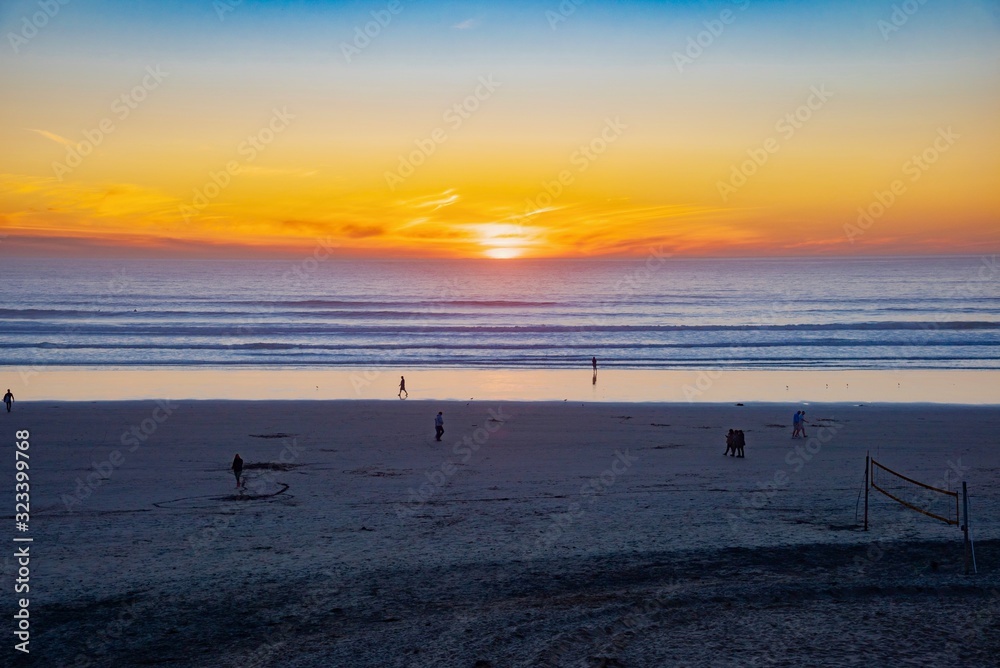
8,399
593,362
402,388
237,468
439,426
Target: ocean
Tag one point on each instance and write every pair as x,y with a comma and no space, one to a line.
650,313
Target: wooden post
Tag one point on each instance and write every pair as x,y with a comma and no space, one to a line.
965,524
867,469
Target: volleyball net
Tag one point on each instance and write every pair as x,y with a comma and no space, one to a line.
941,504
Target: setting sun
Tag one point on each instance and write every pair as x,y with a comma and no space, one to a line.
503,253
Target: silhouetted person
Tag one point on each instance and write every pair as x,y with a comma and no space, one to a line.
593,361
402,388
730,443
439,426
796,424
8,399
237,468
740,442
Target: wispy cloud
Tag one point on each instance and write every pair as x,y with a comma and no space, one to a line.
467,24
53,136
447,198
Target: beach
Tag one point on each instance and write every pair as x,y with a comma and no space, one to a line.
534,534
609,249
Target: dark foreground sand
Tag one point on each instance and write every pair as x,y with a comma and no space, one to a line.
533,535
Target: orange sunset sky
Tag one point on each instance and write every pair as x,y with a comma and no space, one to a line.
499,130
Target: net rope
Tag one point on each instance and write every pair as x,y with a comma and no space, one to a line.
941,504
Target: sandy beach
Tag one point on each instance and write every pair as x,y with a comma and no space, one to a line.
534,534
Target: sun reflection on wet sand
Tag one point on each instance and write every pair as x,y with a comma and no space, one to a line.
615,385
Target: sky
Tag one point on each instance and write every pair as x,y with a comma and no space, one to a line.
580,128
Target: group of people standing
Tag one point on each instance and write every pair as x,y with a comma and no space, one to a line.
735,441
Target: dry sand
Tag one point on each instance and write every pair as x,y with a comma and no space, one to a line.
535,534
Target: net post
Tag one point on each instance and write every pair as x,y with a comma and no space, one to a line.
965,525
867,469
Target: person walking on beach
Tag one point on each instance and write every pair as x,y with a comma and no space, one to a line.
8,399
730,443
593,362
237,468
739,441
796,424
439,426
402,388
802,424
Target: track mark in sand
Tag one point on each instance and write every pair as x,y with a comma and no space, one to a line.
277,435
271,466
657,424
379,473
255,497
777,426
176,503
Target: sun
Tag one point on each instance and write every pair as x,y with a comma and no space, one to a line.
504,253
502,241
